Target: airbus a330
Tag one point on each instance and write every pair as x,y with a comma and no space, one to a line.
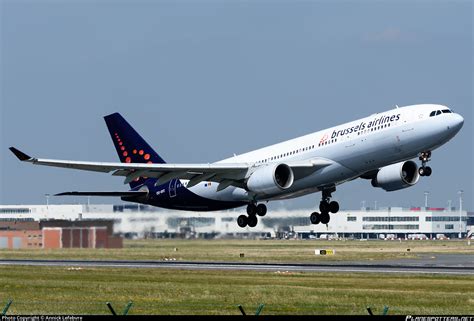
379,148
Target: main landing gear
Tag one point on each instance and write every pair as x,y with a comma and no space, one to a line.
425,158
251,219
325,206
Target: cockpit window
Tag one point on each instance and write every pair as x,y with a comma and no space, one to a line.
439,112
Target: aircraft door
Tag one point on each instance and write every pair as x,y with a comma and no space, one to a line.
172,187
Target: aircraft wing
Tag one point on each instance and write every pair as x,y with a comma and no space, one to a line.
224,173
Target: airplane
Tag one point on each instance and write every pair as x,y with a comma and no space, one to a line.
379,148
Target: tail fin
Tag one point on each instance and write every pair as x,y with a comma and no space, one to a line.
130,146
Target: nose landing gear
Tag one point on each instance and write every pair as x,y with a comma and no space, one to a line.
251,219
326,207
425,158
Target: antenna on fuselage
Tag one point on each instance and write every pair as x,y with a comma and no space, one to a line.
396,106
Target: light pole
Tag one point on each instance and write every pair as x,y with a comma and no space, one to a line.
460,211
426,199
47,199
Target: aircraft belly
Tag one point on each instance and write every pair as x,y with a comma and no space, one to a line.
193,199
229,194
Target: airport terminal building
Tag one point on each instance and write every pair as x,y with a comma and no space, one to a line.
132,220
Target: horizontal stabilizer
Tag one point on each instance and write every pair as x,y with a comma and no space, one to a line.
124,194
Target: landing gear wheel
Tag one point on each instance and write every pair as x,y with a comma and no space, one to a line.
428,171
421,171
252,221
425,158
324,218
334,207
314,218
324,206
261,209
242,221
251,209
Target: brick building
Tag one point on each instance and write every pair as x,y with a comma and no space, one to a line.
58,234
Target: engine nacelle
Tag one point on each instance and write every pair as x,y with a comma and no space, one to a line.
271,179
397,176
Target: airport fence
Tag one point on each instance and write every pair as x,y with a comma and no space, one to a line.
80,307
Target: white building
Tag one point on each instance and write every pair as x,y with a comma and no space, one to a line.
143,220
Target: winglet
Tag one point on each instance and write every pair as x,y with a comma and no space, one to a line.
21,156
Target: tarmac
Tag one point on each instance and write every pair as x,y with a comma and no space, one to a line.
427,264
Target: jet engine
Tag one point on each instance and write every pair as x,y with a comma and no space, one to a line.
397,176
271,179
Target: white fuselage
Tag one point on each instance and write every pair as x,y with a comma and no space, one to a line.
354,148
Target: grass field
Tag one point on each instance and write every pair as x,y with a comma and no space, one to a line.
59,290
254,250
62,290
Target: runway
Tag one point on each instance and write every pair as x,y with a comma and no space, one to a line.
271,267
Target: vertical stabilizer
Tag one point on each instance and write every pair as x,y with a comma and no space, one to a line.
130,146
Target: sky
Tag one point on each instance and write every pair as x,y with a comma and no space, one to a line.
201,80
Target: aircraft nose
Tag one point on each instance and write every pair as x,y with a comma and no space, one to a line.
457,122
